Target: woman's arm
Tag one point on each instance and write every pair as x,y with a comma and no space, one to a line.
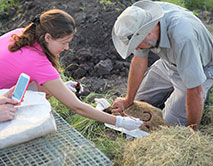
67,97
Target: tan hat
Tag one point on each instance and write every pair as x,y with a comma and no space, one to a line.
134,24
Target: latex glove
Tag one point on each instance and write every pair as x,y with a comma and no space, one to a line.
128,123
72,86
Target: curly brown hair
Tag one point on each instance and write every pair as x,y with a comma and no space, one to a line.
55,22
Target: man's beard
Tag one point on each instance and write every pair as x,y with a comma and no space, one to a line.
153,43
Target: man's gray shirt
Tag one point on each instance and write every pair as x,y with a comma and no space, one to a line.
185,44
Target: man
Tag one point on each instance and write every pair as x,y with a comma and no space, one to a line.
7,109
183,74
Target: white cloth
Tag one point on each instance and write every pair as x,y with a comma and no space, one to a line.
137,133
33,119
102,104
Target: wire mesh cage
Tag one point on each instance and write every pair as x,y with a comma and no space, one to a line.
64,147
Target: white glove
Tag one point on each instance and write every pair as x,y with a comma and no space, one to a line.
72,86
128,123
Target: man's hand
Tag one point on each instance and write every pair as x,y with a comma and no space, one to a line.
7,112
120,104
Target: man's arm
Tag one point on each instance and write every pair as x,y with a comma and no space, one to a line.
137,69
194,106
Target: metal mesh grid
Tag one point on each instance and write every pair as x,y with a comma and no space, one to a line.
65,147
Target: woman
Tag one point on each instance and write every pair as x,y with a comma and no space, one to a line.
35,49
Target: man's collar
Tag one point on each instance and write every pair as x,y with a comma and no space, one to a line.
164,40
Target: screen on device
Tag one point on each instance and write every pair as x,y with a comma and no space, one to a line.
20,88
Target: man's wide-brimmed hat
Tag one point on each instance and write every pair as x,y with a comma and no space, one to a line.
134,24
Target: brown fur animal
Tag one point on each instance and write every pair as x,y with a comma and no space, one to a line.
151,116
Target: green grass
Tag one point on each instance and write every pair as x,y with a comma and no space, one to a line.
107,2
177,2
105,139
209,5
4,4
193,4
211,97
111,148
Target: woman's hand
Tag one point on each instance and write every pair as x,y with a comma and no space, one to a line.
6,97
128,123
7,112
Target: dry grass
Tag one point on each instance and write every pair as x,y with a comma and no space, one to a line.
173,146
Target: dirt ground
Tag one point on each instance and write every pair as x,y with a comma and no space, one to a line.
92,59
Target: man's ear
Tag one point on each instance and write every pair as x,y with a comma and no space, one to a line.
48,37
